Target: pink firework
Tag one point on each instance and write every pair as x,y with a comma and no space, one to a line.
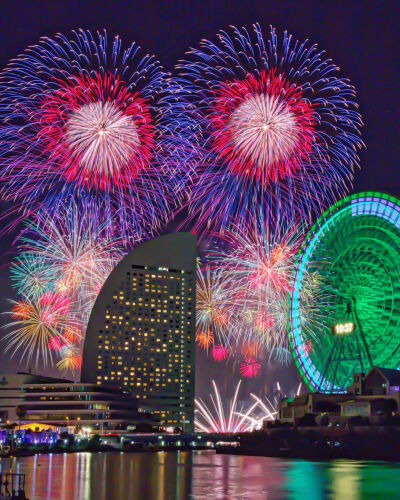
56,344
219,352
273,270
264,321
263,127
97,131
249,368
54,306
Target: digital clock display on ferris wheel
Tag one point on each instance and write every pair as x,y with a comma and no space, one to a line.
343,328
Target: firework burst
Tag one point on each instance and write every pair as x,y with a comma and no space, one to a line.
31,275
71,360
205,339
38,326
86,115
219,353
212,303
249,368
256,264
74,249
277,127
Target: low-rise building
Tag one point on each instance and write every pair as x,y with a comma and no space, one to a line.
375,395
33,399
12,392
316,403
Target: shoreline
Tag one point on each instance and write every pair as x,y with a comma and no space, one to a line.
309,443
316,443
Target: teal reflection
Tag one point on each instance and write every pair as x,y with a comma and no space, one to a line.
305,480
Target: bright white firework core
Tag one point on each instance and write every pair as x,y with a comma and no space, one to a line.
102,138
264,130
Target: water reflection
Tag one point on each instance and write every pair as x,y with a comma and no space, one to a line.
201,475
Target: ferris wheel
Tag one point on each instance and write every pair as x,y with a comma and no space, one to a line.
344,310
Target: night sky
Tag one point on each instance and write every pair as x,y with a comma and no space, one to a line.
361,37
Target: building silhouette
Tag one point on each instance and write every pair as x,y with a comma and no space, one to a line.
141,332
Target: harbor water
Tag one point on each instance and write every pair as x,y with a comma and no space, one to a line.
200,475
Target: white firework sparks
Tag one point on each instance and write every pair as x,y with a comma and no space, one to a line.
74,247
215,419
212,303
102,138
258,271
264,130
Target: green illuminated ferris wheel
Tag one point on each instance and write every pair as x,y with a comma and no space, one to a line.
344,313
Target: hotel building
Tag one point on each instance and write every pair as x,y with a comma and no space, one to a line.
63,403
141,333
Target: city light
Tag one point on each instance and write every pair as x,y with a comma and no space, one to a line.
343,328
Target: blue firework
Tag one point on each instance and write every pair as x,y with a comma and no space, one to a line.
276,125
84,115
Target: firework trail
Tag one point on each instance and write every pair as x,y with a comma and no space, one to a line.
257,263
244,419
85,115
212,306
277,127
38,325
74,250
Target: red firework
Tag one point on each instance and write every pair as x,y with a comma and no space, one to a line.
219,352
56,344
98,132
249,368
263,127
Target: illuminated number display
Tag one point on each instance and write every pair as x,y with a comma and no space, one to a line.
343,328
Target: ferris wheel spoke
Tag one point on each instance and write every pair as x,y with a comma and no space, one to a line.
354,248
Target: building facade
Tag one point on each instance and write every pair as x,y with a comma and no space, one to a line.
66,404
375,395
141,333
33,399
12,393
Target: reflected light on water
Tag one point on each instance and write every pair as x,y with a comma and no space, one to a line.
200,475
346,480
